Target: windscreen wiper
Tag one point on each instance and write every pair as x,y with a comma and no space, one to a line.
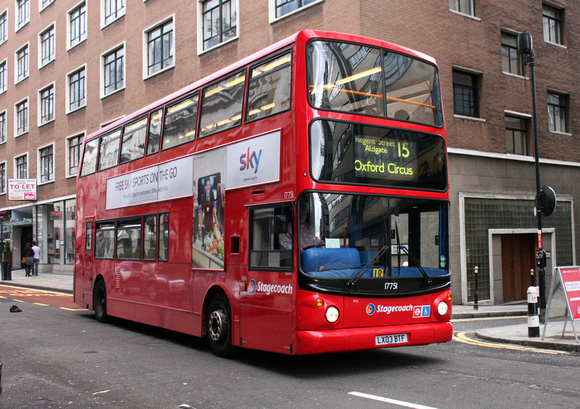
426,277
350,283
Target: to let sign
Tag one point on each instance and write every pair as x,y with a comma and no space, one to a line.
21,189
571,282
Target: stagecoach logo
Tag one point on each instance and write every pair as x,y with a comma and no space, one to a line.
418,310
268,289
252,286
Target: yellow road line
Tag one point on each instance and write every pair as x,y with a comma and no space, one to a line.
463,338
489,318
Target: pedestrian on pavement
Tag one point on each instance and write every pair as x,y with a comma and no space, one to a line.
35,257
29,260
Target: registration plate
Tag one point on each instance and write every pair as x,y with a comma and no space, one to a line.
391,339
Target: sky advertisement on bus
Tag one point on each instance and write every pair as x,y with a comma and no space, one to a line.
205,177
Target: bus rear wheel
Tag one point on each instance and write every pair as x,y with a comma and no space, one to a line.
100,301
219,326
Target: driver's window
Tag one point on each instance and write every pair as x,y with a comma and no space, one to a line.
271,237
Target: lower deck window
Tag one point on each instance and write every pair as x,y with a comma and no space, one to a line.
271,237
104,239
128,243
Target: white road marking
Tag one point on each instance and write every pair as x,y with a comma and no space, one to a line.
391,401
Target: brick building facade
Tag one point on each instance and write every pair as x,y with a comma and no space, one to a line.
68,67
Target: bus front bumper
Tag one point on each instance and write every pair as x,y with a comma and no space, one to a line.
353,339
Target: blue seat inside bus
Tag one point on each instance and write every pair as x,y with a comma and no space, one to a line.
320,259
346,262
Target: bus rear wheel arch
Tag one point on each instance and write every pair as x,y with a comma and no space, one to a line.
219,325
100,301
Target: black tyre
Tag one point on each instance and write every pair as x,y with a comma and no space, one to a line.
100,301
219,326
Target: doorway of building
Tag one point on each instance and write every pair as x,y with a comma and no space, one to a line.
518,257
25,237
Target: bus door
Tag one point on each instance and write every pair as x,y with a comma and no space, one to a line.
87,261
266,306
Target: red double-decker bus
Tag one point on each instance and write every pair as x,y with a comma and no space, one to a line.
295,202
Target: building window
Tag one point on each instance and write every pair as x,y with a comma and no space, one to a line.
510,58
219,21
113,71
46,164
76,90
22,64
46,97
3,177
557,112
22,13
284,7
47,46
465,94
160,47
45,3
77,25
3,27
3,77
74,153
463,6
21,167
516,135
113,10
21,110
552,25
3,127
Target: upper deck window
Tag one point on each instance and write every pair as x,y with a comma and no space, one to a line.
180,122
221,106
154,132
109,150
370,81
270,88
133,146
90,157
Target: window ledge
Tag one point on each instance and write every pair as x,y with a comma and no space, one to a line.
146,77
465,15
46,183
219,45
70,47
103,96
560,133
469,118
557,45
40,125
509,74
76,109
298,10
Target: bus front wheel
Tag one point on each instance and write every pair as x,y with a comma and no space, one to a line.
219,326
100,301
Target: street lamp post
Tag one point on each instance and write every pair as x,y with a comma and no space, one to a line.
525,48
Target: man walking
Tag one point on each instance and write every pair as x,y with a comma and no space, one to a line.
35,258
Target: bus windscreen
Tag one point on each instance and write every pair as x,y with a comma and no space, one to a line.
371,81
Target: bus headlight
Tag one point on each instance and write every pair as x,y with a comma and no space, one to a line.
442,308
332,314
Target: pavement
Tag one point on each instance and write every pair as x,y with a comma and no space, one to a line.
554,338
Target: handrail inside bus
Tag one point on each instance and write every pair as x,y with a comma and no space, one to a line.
318,88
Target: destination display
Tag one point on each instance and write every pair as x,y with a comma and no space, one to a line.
385,157
343,152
